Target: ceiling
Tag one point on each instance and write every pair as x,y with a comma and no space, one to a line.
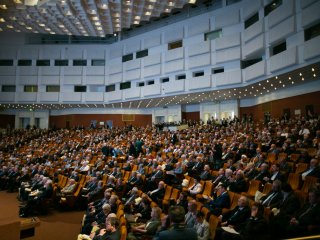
82,17
271,85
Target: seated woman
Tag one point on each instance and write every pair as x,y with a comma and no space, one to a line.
149,228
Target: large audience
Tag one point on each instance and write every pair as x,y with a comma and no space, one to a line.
215,180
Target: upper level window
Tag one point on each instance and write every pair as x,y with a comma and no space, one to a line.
248,63
30,88
140,84
8,88
127,57
251,20
24,62
52,88
151,82
217,70
176,44
111,88
79,62
43,63
98,62
125,85
164,80
198,74
80,88
271,6
279,48
61,62
6,62
312,32
180,77
213,35
142,53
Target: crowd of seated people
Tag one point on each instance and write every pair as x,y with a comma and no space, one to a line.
122,172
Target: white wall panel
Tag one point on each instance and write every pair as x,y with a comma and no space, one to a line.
228,55
49,96
224,19
115,68
27,97
311,14
311,48
9,80
152,59
174,54
306,3
255,70
198,25
8,52
250,8
95,52
115,78
95,70
174,86
132,74
151,90
71,96
152,70
74,70
228,41
253,45
173,34
50,52
199,60
72,80
116,51
28,80
282,30
199,48
95,79
28,52
199,82
52,80
50,70
253,31
152,40
283,59
7,70
227,78
281,13
73,52
132,93
132,46
28,70
7,97
174,66
134,64
113,96
94,96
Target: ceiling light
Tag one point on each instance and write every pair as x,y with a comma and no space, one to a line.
314,75
3,6
283,85
97,23
302,79
300,74
192,1
9,26
29,28
95,18
147,13
289,78
276,78
312,69
2,20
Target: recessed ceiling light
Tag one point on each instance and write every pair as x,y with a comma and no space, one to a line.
302,79
3,6
300,74
314,75
312,69
2,20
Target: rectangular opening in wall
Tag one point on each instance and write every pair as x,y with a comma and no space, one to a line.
272,6
279,48
251,20
96,88
8,88
79,62
111,88
229,2
98,62
248,63
151,82
198,74
127,57
43,63
6,62
213,35
217,70
128,117
80,88
61,62
24,62
142,53
30,88
52,88
140,84
164,80
312,32
125,85
181,77
174,45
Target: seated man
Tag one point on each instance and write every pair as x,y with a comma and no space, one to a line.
196,188
221,200
157,194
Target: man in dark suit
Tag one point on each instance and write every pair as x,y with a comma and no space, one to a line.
262,173
313,171
220,201
205,174
177,230
239,184
275,174
274,198
158,193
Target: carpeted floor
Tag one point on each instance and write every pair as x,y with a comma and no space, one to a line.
56,225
